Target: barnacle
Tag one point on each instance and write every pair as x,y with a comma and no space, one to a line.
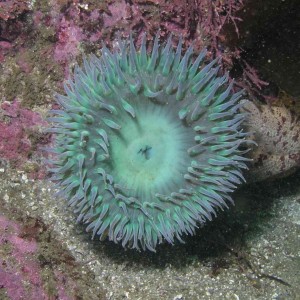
147,144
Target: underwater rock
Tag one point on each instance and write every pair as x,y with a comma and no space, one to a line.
277,134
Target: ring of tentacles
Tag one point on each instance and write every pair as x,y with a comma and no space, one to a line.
148,145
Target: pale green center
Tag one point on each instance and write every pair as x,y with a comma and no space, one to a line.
148,152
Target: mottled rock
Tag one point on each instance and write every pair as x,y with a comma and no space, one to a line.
277,134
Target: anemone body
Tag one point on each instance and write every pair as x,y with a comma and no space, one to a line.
147,144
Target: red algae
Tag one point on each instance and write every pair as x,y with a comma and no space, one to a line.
23,271
33,264
11,9
67,47
4,48
17,129
19,268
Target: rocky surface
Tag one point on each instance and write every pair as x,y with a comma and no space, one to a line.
248,252
277,134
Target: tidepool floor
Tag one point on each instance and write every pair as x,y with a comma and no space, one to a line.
249,252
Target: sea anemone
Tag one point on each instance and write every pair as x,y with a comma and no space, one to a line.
147,144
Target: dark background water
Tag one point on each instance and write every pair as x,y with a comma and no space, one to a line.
270,36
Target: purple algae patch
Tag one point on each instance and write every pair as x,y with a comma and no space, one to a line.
19,270
20,133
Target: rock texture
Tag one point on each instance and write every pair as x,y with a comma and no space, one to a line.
277,134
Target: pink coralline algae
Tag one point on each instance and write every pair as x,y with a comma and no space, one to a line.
72,26
69,37
10,9
19,131
4,49
12,25
117,11
19,271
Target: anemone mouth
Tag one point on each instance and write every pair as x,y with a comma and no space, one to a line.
147,145
149,154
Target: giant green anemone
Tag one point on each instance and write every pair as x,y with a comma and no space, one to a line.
147,144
